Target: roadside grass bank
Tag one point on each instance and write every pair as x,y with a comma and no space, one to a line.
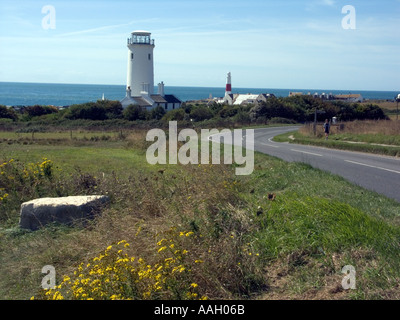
379,137
194,231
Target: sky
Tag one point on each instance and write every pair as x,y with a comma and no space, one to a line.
304,44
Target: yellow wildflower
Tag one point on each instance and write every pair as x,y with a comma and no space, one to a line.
162,248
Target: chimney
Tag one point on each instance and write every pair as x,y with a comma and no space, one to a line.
161,89
128,92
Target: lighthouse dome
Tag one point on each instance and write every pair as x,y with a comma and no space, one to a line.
141,32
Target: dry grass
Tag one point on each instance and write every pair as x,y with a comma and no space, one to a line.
389,105
316,280
372,127
382,127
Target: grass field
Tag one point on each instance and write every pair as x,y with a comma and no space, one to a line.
190,232
380,137
384,104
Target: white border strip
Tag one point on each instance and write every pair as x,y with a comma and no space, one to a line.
368,165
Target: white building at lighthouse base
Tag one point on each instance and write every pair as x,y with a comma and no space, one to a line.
149,101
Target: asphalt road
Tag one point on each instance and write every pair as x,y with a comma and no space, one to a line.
373,172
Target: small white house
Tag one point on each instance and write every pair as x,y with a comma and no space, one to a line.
245,99
149,101
242,99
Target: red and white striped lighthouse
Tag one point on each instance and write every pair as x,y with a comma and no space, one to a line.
228,89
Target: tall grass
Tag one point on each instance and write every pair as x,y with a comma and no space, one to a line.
379,131
379,137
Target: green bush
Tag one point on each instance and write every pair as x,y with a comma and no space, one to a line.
7,113
100,110
201,113
157,113
174,115
134,112
37,110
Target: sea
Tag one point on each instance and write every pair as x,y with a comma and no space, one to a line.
27,94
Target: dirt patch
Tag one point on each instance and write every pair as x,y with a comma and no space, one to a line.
282,275
299,276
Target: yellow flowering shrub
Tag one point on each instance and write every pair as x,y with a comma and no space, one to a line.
21,182
116,275
4,196
14,173
38,170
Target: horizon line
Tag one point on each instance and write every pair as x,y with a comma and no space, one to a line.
211,87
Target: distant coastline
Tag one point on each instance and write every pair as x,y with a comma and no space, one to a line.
16,93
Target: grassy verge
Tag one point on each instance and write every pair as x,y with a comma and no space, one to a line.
195,231
372,137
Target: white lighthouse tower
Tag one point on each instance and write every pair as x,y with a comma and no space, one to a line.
140,77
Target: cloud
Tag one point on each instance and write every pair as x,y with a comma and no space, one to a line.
104,28
330,3
74,33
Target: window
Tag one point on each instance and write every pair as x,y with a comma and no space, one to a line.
149,56
131,56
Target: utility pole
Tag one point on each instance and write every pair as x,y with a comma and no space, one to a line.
315,119
315,122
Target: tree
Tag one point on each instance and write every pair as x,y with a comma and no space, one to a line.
228,111
37,110
157,113
88,111
7,113
112,108
369,112
134,112
201,113
242,117
175,115
346,111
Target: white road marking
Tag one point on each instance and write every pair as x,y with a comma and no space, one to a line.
368,165
268,145
313,154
